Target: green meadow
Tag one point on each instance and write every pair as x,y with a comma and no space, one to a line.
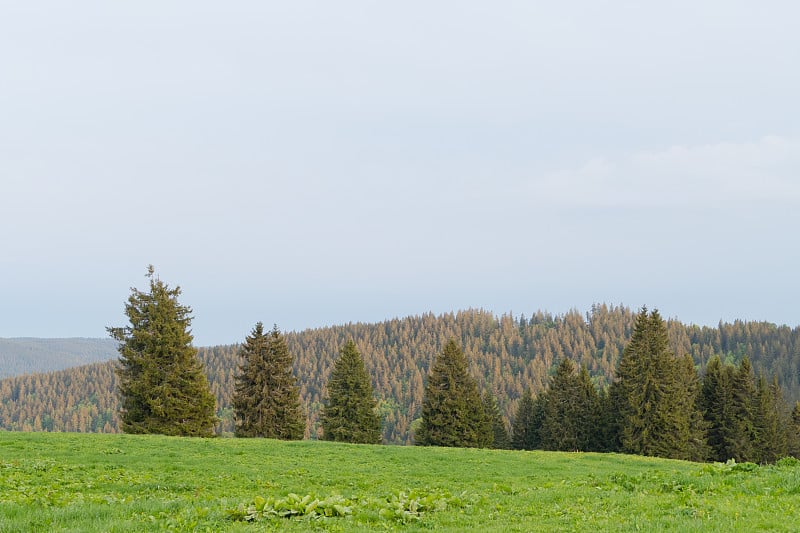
100,482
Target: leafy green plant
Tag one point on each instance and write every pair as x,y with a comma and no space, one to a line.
292,506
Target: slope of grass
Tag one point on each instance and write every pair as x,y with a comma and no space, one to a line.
96,482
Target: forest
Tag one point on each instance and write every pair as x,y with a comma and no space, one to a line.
507,354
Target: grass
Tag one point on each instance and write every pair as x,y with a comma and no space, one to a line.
95,482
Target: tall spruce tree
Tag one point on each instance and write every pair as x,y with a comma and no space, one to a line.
793,433
452,411
743,403
527,422
771,422
716,400
163,385
571,414
655,407
266,399
495,426
349,415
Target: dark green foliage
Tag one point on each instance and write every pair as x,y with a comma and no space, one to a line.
495,426
793,432
692,431
716,400
728,401
162,383
656,395
452,411
350,414
266,398
527,422
743,402
771,422
570,419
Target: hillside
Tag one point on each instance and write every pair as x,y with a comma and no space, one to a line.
507,354
28,355
121,483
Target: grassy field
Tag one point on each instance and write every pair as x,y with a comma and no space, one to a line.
91,482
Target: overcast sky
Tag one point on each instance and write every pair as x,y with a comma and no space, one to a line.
318,163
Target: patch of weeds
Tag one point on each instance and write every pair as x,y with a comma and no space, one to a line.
293,506
402,506
729,467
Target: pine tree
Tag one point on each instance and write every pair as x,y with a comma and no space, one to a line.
350,412
266,397
162,383
452,411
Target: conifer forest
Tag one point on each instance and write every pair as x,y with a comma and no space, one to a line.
645,384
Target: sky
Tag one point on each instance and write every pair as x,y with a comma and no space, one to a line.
317,163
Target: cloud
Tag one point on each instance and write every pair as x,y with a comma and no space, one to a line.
722,174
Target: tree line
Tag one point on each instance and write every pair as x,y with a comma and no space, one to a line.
659,405
507,355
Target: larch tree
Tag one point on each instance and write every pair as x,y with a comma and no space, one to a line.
452,410
266,399
162,384
350,413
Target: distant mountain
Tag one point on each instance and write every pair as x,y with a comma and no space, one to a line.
27,355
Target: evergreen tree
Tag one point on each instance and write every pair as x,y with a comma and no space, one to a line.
496,426
452,411
350,412
742,433
717,404
571,414
692,442
655,407
266,397
527,422
162,383
771,422
793,436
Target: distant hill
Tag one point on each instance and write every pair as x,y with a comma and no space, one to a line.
507,354
28,355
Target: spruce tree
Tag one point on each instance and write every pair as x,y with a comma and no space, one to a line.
266,400
742,434
452,411
571,415
793,433
495,426
163,385
716,401
527,422
771,422
654,395
349,414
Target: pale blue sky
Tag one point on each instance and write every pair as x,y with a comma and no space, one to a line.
316,163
